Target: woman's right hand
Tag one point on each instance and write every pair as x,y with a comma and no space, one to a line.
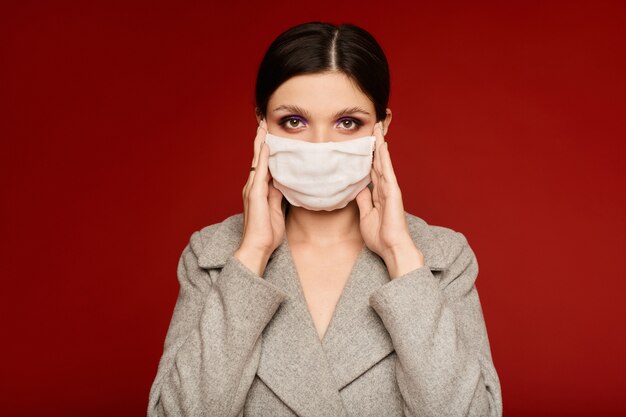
264,222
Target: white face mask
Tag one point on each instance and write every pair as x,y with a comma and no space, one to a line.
320,175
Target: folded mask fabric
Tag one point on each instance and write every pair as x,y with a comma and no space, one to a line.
320,175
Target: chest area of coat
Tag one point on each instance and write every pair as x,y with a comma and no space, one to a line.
322,276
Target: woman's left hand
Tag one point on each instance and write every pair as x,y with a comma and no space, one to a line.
383,223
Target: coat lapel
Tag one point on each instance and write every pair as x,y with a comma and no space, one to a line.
293,363
356,338
301,370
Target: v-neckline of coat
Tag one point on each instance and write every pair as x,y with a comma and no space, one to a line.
294,358
302,299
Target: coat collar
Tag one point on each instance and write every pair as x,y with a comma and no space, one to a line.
304,371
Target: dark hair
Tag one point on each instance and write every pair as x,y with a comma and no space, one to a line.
316,47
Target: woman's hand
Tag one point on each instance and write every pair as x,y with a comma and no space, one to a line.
383,223
264,222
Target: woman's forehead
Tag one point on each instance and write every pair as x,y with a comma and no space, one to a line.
319,94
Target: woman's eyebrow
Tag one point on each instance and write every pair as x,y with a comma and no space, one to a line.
344,112
350,110
293,109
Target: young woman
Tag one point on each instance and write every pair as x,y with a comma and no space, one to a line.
324,297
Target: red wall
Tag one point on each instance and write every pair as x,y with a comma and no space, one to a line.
126,126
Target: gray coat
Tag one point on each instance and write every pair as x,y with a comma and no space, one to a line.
242,345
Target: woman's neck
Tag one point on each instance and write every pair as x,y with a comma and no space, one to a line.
323,228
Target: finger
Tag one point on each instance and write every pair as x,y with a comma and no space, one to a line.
258,192
376,188
275,198
245,206
377,166
378,132
364,201
261,131
259,182
379,142
387,168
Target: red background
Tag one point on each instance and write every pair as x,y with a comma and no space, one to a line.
126,126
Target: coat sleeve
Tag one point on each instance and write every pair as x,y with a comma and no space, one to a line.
213,343
444,365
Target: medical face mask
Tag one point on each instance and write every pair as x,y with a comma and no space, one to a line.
320,175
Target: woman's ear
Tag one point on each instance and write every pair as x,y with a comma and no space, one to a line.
258,114
387,121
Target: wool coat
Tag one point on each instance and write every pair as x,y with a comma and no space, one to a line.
243,345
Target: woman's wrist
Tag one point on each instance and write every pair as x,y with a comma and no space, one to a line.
254,260
402,259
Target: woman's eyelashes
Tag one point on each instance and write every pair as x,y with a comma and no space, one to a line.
349,123
297,122
288,122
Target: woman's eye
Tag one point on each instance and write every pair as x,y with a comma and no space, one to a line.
349,124
292,122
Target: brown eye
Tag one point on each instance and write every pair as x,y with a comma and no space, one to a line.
349,124
292,122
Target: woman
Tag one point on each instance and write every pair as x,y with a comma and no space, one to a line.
324,297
